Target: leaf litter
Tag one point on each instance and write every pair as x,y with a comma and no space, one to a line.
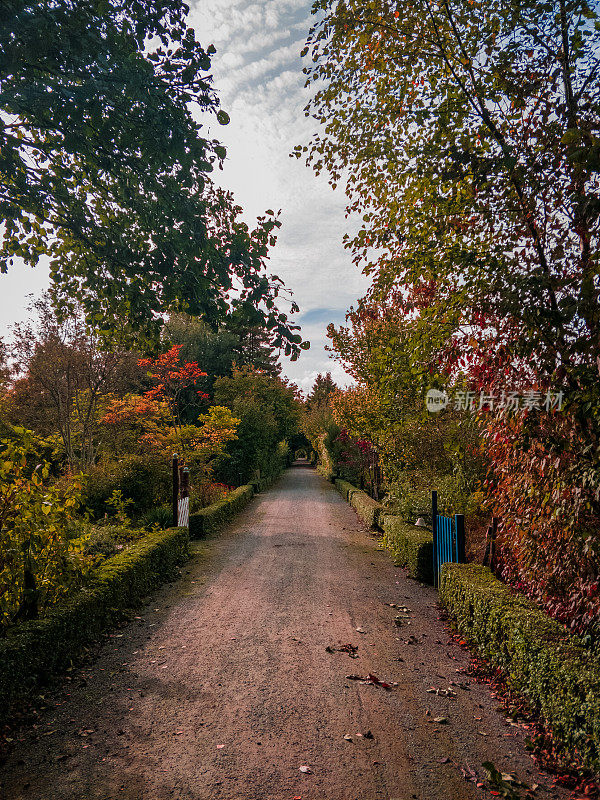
349,649
371,680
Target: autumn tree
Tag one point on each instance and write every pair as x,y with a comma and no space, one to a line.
468,136
173,379
63,375
214,349
472,156
105,169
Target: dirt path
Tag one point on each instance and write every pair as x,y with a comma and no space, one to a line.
222,687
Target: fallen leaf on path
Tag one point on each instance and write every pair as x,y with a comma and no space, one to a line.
503,783
349,649
441,692
371,679
469,773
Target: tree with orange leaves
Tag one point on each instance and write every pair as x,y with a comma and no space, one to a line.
172,378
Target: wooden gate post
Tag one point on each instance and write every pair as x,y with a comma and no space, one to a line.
175,490
489,558
434,517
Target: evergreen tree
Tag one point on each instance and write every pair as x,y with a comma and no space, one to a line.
254,346
320,395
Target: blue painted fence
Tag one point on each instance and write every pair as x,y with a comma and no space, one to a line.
448,539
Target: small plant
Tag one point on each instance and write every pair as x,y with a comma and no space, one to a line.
38,561
119,504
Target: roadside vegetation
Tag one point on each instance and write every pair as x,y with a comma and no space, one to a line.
162,328
88,434
466,135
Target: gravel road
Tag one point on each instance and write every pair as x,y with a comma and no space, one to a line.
222,687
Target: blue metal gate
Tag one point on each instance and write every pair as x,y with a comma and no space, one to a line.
448,539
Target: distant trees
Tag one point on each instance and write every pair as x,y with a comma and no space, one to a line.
269,412
322,392
63,377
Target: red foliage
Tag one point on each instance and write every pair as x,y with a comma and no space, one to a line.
171,376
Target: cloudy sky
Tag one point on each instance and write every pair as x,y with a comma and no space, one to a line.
258,73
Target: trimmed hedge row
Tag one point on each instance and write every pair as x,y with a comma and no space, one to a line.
558,675
345,488
367,509
262,484
34,650
410,545
211,518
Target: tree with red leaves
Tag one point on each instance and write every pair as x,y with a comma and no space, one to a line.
172,378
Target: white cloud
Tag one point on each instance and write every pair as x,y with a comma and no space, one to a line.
258,74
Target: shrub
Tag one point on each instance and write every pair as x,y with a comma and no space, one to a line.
33,650
144,480
38,562
559,676
157,517
410,545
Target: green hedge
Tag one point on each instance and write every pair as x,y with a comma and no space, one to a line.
367,509
33,650
557,674
211,518
345,488
264,483
411,546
